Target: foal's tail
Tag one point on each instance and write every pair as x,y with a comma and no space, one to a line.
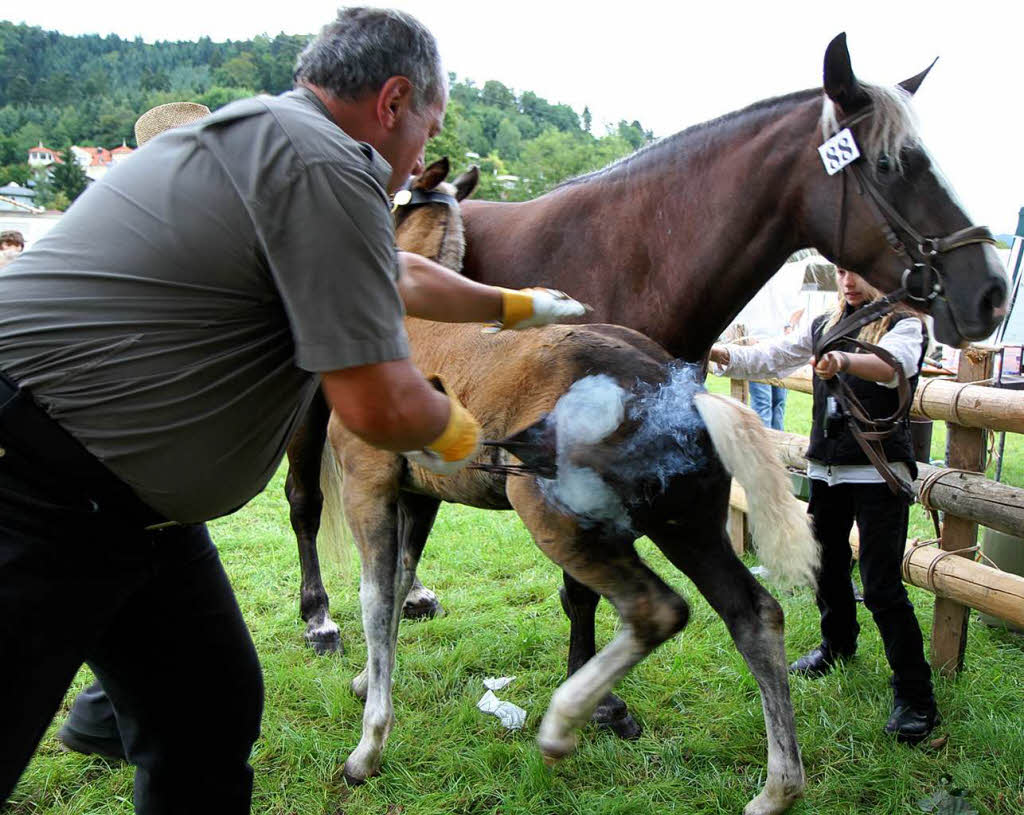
779,525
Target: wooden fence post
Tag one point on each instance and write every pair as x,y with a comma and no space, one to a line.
966,451
739,389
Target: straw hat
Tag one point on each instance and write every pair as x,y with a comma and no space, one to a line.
163,117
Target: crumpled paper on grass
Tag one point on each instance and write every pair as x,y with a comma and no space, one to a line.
512,716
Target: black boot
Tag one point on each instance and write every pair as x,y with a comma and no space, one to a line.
911,722
90,745
819,661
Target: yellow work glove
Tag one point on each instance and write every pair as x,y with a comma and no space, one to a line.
458,443
527,308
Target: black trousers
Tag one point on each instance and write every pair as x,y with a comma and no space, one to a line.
151,611
881,519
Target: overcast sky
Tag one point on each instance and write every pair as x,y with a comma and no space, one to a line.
671,66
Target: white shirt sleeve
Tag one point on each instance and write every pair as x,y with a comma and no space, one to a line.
774,358
904,342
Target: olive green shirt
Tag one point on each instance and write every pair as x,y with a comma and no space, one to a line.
175,319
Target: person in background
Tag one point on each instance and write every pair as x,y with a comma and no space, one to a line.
158,347
12,244
847,489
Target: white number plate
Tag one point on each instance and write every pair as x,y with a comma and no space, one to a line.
839,151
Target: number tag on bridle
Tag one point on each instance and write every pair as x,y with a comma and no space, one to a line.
839,151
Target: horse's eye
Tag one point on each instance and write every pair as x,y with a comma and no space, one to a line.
884,164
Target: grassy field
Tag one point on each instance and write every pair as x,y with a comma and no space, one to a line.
703,748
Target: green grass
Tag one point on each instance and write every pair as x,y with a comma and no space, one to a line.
703,748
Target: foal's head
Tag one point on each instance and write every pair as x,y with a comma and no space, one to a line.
884,216
427,217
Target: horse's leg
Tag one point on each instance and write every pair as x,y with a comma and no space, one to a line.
580,604
754,619
650,611
416,514
302,487
372,515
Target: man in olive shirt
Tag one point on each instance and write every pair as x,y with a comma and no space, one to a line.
157,349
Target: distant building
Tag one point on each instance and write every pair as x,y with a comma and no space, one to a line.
94,161
41,156
16,198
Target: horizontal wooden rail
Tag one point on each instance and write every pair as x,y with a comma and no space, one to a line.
966,495
948,401
977,585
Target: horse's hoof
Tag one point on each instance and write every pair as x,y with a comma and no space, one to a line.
422,608
549,759
625,727
325,643
353,778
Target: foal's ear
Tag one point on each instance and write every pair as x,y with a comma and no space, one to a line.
911,85
433,175
841,85
466,183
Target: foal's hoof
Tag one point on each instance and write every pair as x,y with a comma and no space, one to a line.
421,604
625,727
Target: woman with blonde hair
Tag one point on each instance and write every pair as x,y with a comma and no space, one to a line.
846,488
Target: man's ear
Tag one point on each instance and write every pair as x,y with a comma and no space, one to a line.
393,100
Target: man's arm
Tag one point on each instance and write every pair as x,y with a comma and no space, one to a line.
432,292
388,405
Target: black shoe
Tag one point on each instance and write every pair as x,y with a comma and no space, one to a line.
818,662
911,723
72,740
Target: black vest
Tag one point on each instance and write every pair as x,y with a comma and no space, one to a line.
839,446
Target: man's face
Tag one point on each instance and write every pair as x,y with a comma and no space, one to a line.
852,286
5,245
404,148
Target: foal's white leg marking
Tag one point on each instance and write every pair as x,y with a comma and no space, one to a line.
574,702
322,628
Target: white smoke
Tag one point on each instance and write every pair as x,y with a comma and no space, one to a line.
663,445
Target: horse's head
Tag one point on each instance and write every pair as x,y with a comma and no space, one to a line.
427,216
890,215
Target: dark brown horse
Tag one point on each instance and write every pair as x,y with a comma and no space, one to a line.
675,239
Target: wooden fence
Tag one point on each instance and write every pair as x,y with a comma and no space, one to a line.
950,568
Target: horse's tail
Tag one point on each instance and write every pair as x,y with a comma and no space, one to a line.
779,525
334,538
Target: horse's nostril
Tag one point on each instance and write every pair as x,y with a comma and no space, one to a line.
993,298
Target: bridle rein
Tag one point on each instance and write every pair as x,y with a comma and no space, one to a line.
921,283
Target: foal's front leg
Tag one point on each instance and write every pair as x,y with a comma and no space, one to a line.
384,582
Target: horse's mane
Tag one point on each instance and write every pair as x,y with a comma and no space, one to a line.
892,126
694,131
893,123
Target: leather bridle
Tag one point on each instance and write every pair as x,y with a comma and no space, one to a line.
921,283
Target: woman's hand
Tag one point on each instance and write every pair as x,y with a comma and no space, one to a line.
720,354
832,363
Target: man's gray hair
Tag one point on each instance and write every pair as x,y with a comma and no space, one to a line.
364,47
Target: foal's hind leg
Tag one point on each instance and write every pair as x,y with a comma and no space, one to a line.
754,619
580,605
650,611
302,487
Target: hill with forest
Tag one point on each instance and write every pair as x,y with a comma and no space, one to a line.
89,90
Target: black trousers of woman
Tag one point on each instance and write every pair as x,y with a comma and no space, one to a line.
881,519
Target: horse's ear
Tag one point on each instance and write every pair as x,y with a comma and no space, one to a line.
841,85
911,85
466,183
433,175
